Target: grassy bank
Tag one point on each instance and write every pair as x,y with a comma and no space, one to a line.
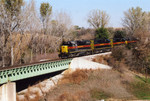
141,88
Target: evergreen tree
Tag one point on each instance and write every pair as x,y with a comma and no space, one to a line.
119,34
102,33
45,11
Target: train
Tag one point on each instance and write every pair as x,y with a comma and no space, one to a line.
77,48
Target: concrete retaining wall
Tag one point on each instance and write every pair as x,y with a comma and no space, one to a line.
8,92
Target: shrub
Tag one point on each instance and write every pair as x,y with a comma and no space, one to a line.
75,77
118,53
119,34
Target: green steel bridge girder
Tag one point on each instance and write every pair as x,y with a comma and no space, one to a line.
29,71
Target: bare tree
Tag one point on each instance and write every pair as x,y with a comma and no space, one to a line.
137,24
136,20
97,18
10,11
62,23
30,21
4,36
30,24
60,27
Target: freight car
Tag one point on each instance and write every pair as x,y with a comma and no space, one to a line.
86,47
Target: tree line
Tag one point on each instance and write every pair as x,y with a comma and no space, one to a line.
25,34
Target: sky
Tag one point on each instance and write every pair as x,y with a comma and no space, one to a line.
78,10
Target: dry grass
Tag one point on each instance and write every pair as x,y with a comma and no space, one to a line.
77,96
30,95
75,77
67,97
101,59
110,82
78,86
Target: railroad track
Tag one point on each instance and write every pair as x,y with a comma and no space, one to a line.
17,66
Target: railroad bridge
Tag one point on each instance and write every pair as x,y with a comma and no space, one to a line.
28,71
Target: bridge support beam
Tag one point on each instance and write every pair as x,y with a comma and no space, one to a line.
8,92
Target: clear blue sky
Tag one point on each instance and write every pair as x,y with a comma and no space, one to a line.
79,9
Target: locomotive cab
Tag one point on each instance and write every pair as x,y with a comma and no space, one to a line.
63,51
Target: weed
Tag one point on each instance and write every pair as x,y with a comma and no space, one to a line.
76,77
100,59
146,80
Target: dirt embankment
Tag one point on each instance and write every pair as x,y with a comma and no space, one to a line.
91,85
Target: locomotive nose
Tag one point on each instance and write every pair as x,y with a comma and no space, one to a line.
64,49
